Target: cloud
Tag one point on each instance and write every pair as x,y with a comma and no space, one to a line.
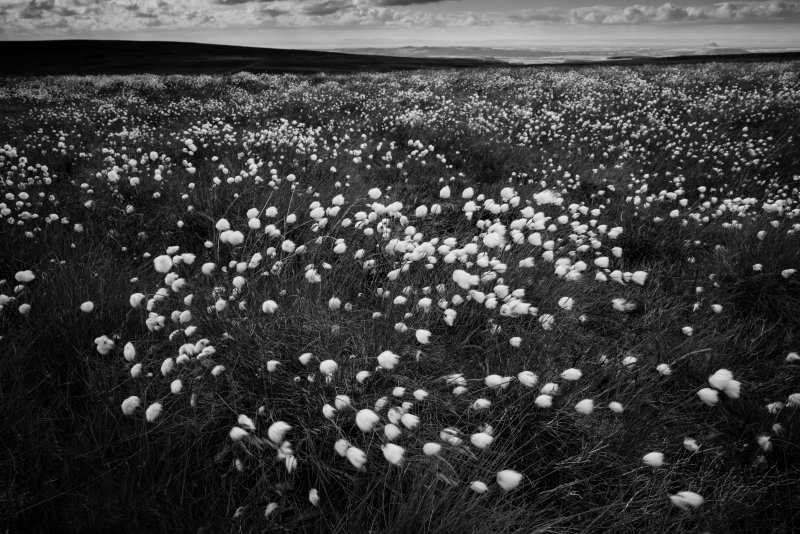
26,17
388,3
726,12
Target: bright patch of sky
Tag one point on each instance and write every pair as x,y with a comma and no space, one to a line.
391,23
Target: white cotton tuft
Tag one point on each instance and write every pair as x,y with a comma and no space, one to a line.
87,307
153,412
328,411
328,367
271,507
238,434
388,359
104,344
528,379
481,404
392,431
129,352
176,386
357,457
497,382
167,366
431,449
162,264
136,370
572,374
733,389
550,388
393,453
361,376
410,421
246,423
277,431
709,396
313,497
423,336
585,406
686,499
653,459
479,487
544,401
691,444
342,402
509,479
341,447
720,379
269,306
23,277
615,407
136,300
482,440
366,420
130,405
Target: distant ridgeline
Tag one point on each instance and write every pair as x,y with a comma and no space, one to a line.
163,57
36,58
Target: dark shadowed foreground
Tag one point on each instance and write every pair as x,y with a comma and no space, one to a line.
546,300
162,57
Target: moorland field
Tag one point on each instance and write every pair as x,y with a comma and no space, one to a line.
556,300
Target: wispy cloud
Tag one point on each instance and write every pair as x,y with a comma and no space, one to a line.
31,16
726,12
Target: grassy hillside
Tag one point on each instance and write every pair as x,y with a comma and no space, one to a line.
499,300
163,57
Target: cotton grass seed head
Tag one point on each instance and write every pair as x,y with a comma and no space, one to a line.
528,379
153,412
479,487
356,457
720,379
653,459
691,445
585,407
130,405
388,359
341,447
431,449
481,440
393,453
686,500
238,434
709,396
277,431
508,479
328,367
571,374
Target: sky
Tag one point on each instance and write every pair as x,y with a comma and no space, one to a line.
330,24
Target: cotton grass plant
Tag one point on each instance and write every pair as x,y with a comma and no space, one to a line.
300,314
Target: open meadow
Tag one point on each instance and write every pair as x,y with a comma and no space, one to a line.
545,300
